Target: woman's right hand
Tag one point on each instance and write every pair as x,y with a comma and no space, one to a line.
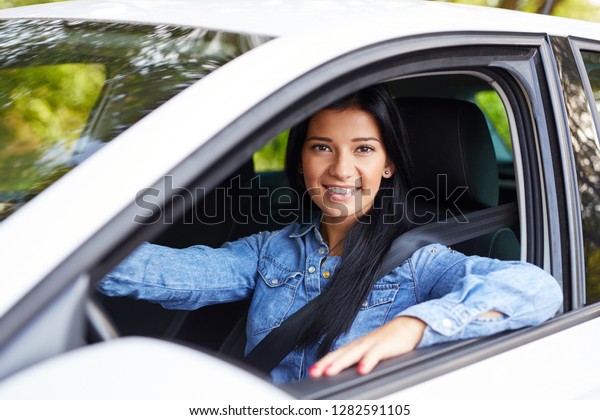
397,337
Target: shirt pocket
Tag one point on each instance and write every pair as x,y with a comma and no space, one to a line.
372,314
274,295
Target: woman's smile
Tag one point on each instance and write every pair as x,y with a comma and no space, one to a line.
340,194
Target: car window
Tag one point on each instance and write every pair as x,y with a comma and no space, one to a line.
588,190
592,67
259,188
43,115
436,93
68,88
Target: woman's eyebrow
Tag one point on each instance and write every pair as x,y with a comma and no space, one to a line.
354,140
319,138
366,139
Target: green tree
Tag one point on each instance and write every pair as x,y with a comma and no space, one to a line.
43,112
5,4
575,9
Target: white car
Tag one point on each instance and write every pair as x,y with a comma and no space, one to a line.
123,121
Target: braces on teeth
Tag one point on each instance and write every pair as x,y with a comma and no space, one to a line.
343,191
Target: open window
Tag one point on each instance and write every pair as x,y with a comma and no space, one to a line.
477,83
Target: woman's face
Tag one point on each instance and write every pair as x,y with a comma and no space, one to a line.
343,161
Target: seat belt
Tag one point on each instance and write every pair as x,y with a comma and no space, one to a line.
281,341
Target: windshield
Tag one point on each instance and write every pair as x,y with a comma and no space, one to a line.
67,88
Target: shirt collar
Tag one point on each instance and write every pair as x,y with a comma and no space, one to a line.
303,228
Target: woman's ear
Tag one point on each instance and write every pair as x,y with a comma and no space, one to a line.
300,169
388,170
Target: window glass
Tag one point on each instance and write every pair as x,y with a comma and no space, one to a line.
491,104
592,67
589,188
271,157
44,110
67,88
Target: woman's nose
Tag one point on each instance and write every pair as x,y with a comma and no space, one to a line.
342,167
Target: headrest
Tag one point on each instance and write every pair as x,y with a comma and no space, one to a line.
451,137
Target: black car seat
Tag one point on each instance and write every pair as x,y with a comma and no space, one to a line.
455,169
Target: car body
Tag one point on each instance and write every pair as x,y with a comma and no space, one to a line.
267,65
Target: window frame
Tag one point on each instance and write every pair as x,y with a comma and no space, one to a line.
349,385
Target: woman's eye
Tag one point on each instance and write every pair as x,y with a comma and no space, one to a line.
320,148
365,149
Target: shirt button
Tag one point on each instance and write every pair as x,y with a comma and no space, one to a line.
447,323
321,251
311,269
274,281
326,274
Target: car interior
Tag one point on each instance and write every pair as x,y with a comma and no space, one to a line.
462,162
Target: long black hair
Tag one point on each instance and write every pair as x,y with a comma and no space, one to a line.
368,240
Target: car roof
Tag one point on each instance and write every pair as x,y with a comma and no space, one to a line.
281,17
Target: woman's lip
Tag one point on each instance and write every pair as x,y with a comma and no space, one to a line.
351,187
341,196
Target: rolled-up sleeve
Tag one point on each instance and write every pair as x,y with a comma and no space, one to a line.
187,278
454,290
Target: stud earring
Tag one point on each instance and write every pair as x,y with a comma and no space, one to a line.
386,172
300,170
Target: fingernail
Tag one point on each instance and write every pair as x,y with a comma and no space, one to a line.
312,370
361,368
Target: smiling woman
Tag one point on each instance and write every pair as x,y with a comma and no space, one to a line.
350,160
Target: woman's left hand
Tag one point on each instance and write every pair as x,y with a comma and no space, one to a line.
397,337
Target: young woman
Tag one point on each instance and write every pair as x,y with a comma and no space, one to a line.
350,161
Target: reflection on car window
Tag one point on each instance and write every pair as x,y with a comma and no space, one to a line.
44,110
592,67
587,156
67,88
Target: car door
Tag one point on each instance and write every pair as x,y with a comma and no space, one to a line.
521,71
570,340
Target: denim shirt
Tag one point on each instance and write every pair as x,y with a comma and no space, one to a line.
283,270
